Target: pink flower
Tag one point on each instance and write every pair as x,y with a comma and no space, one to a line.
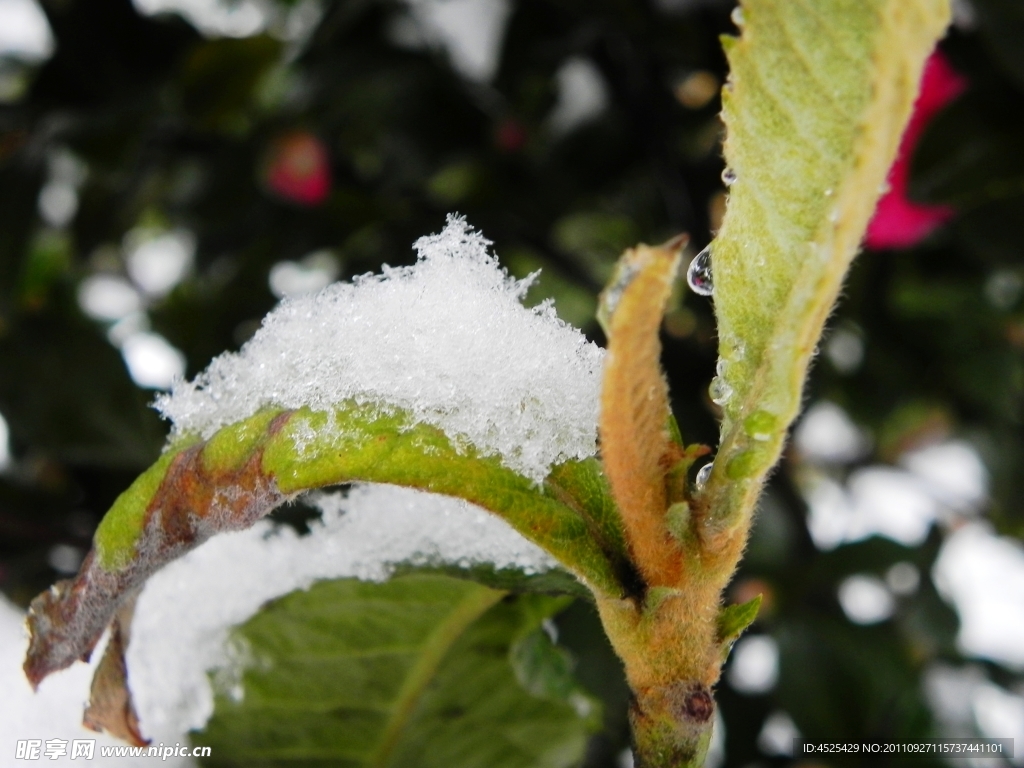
298,168
900,222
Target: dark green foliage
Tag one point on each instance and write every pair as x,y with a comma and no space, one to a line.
174,130
415,672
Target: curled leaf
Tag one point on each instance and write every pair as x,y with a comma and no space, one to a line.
110,701
636,447
244,471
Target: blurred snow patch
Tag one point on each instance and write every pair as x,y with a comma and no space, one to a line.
158,261
827,435
877,501
903,578
108,297
755,664
999,715
845,350
24,31
58,203
187,609
966,702
865,599
777,734
582,95
215,18
901,504
716,749
447,340
152,361
470,30
953,473
5,444
295,278
983,576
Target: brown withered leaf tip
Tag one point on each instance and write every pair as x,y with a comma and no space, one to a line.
189,507
110,701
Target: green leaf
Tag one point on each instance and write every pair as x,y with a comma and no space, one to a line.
245,470
583,486
818,96
734,620
413,673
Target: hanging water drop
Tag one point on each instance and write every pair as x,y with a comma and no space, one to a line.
720,391
728,176
702,476
698,276
737,16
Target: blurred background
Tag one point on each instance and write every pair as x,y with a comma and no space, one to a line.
170,169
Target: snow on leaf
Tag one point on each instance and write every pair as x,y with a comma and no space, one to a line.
447,340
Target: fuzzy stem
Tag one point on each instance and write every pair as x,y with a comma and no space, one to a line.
819,95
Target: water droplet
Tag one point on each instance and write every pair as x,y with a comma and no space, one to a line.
702,476
698,276
833,215
728,177
828,192
720,366
720,391
737,16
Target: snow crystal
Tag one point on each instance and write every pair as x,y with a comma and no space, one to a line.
447,340
185,613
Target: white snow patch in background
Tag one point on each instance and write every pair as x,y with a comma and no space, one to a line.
865,599
891,503
903,578
953,473
5,444
470,30
827,435
716,749
877,501
187,609
983,576
158,261
582,95
55,711
1000,715
152,361
215,18
754,667
777,734
966,703
24,31
845,350
108,297
901,503
295,278
447,340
